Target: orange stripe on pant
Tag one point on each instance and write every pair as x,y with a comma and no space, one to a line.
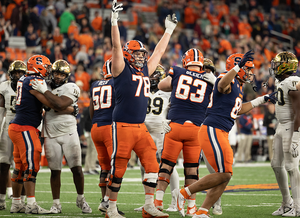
27,149
182,137
128,137
217,150
103,142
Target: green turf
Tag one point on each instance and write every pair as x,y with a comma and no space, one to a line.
244,203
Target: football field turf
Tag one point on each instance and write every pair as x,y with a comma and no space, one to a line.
251,193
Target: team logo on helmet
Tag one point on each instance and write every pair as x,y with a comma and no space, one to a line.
39,64
192,57
283,63
243,74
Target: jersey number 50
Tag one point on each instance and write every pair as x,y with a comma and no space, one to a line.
102,97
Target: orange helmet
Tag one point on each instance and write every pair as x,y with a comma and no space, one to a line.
39,64
235,59
106,71
193,57
128,51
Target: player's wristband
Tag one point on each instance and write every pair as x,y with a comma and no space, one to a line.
236,68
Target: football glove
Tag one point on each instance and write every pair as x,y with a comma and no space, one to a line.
116,8
210,78
76,110
247,57
271,97
165,124
294,150
263,99
39,86
170,23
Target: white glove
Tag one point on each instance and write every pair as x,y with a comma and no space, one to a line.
165,124
170,23
39,86
210,78
116,8
294,150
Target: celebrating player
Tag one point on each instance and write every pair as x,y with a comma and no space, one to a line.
226,104
7,110
189,99
132,86
61,138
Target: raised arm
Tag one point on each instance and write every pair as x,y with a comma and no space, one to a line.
170,24
117,63
166,84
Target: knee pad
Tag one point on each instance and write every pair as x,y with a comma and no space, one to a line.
169,163
103,175
116,180
150,179
20,175
29,177
191,176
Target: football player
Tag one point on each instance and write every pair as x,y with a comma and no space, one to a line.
101,107
189,99
7,111
223,109
131,71
61,138
158,106
286,139
24,134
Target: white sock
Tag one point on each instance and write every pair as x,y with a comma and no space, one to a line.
112,205
79,197
106,197
149,198
23,197
56,201
188,191
174,180
9,191
160,195
2,196
16,200
191,202
30,200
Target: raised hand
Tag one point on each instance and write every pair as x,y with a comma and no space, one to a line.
271,97
248,56
39,86
170,23
116,8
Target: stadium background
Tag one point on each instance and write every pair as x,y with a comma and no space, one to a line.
79,32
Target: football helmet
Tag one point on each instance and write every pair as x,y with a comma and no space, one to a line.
106,70
63,67
244,74
135,52
39,64
208,64
192,57
16,66
283,63
156,77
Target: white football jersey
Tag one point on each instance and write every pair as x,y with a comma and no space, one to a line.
57,125
157,103
9,96
283,107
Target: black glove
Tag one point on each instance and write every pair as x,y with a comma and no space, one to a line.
76,110
271,98
247,57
